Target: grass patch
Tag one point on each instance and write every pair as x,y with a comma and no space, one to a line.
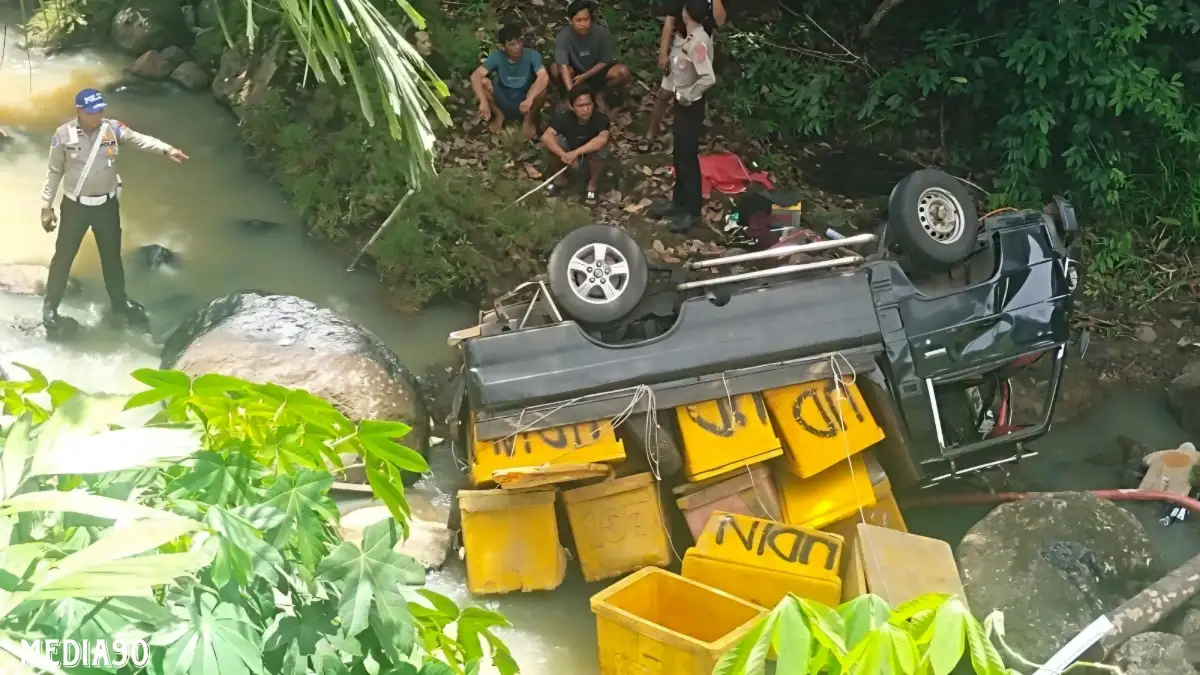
457,235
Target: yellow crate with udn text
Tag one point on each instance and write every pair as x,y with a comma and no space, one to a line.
821,423
511,539
835,493
586,443
725,434
654,622
761,561
618,526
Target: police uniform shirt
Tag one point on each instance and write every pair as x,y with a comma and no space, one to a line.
70,147
692,68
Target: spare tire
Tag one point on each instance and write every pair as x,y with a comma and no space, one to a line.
598,274
932,217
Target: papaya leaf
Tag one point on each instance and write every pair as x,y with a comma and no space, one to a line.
210,637
368,577
948,641
792,640
862,615
985,658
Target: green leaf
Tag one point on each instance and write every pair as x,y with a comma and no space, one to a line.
211,638
214,479
368,577
242,554
379,439
130,577
444,606
948,640
436,668
307,508
749,656
309,625
792,640
869,656
826,625
984,656
918,605
906,656
17,449
213,384
862,615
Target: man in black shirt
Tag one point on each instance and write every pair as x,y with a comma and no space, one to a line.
578,132
673,35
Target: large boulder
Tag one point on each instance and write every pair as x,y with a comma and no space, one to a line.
1153,654
1053,564
1183,399
191,76
294,343
144,25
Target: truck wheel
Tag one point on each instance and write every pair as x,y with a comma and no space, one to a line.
598,274
932,217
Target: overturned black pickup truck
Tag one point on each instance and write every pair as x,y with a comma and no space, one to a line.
923,320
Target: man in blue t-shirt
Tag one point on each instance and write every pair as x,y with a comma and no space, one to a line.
511,83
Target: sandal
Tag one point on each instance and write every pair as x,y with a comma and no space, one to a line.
590,198
553,189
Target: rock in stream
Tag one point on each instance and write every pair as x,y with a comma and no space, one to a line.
294,343
1053,564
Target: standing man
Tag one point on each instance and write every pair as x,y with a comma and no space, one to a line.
578,133
691,76
84,153
584,54
511,83
670,45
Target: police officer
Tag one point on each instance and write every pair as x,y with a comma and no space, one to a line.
83,154
691,77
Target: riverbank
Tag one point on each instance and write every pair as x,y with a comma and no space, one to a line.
456,237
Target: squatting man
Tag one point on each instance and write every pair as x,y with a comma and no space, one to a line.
84,153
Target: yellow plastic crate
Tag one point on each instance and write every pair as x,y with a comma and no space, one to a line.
511,539
586,443
833,494
761,561
654,622
725,434
821,423
618,526
885,512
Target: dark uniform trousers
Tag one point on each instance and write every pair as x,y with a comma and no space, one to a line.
74,221
687,128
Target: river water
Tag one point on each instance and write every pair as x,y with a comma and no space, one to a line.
194,208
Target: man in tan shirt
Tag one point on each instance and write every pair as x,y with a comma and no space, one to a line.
83,154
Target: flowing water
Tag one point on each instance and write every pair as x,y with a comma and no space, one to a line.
194,208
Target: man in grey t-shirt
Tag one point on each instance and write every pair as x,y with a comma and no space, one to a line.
584,54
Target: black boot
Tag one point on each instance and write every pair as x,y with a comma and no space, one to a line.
683,222
130,313
50,318
662,210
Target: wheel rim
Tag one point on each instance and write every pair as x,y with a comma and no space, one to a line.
941,215
598,274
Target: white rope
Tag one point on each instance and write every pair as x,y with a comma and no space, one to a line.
843,394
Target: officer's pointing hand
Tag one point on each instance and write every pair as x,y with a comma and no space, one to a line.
48,219
177,155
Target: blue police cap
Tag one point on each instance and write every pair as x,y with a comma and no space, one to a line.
90,101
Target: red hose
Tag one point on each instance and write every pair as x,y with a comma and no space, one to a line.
1004,497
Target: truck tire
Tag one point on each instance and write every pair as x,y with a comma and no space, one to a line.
597,274
933,219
